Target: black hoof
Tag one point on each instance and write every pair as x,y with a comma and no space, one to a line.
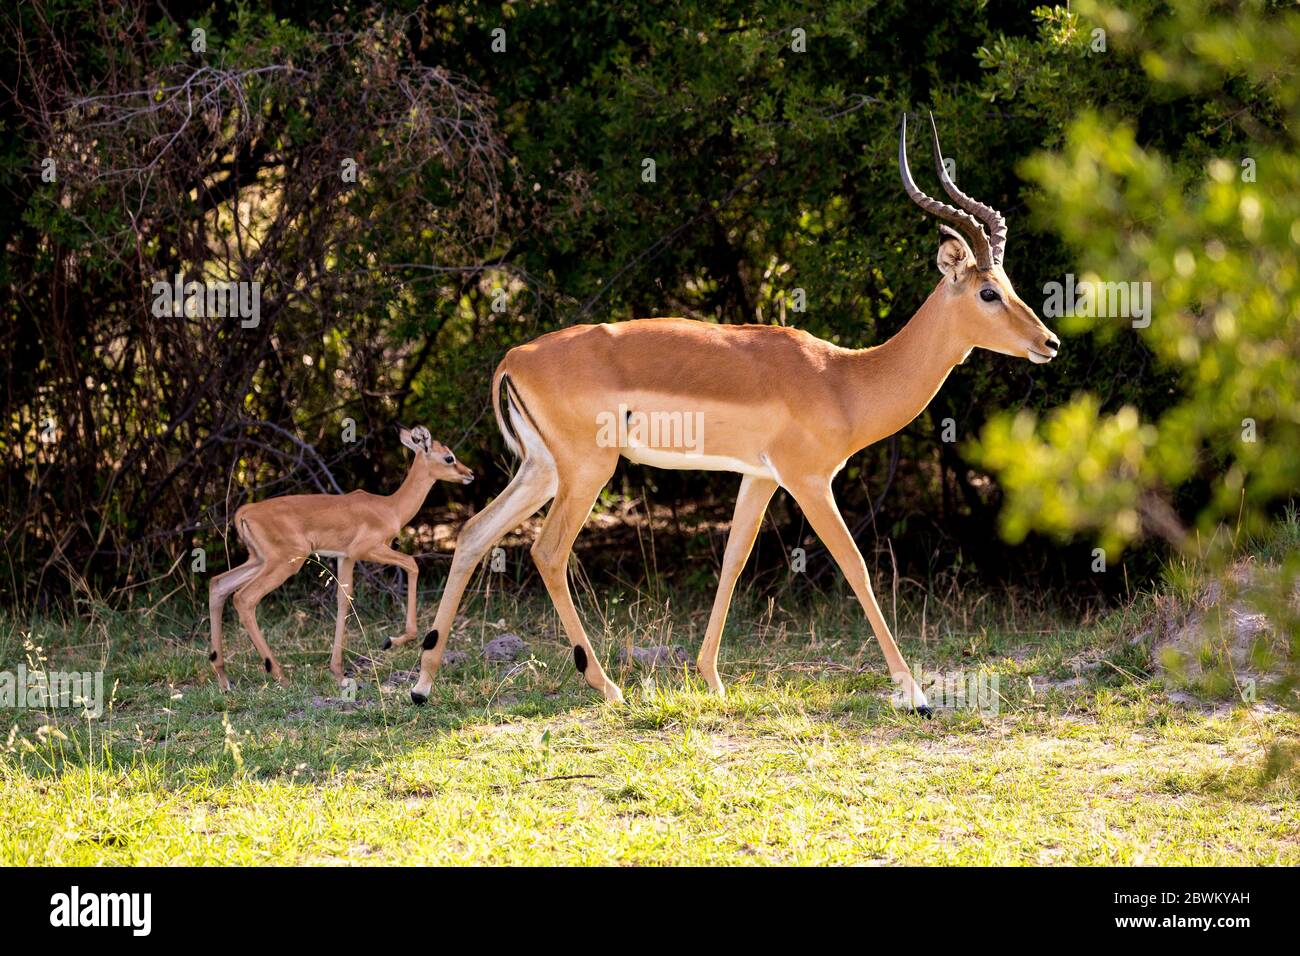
418,699
388,642
925,711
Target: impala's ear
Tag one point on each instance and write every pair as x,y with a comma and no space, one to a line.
405,435
954,255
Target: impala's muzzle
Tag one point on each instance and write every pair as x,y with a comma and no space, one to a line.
1046,351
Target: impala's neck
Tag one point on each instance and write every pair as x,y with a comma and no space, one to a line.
894,382
408,499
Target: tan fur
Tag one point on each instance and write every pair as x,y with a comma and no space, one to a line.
281,533
779,405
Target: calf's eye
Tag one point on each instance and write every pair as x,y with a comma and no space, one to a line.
989,295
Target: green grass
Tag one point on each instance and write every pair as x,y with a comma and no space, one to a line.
804,762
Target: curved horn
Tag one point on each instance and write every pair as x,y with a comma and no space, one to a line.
964,221
997,226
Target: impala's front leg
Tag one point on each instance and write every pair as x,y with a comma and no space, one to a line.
340,624
814,496
387,555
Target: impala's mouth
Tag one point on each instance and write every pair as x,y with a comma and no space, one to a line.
1045,352
466,479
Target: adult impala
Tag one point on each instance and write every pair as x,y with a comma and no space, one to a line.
777,405
281,533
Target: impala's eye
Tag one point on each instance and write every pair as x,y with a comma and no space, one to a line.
990,295
449,459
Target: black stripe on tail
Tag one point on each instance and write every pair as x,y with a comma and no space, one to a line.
513,399
505,390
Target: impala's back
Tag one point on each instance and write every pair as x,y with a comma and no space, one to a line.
671,393
332,530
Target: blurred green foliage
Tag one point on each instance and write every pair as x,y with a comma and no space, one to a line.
1214,227
1215,230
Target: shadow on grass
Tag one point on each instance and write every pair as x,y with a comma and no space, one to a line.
166,714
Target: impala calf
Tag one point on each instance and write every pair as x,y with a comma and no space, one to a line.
776,405
281,533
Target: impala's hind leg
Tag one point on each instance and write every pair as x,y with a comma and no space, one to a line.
573,502
269,577
219,589
532,486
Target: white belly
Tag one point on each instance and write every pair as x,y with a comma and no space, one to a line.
679,460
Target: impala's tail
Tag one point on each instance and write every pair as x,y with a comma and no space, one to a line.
500,399
516,422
